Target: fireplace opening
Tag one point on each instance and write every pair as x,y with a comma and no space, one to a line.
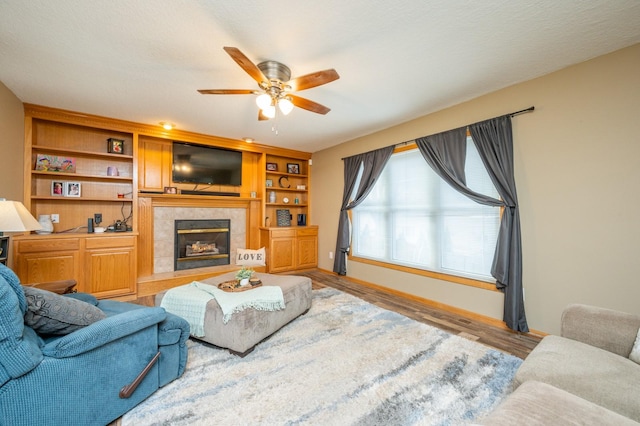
201,242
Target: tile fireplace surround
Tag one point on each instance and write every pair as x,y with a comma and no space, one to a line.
163,230
155,224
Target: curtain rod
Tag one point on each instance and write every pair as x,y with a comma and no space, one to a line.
522,111
512,114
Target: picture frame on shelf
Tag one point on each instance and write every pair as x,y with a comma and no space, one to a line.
293,168
57,188
54,163
170,190
269,183
272,167
284,217
72,189
115,146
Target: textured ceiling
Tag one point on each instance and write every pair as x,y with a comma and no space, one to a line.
143,60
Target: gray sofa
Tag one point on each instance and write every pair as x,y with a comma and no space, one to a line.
582,377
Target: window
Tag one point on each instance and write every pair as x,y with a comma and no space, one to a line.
413,218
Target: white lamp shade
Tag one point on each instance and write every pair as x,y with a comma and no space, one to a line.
263,101
269,111
285,105
14,217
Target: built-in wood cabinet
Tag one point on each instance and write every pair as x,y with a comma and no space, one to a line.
70,172
38,259
104,265
128,183
290,248
154,164
307,247
110,266
286,188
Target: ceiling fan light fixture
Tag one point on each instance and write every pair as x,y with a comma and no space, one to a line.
275,83
285,105
269,111
263,101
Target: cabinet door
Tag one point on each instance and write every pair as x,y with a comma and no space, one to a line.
110,266
110,272
48,266
48,259
154,164
282,254
307,251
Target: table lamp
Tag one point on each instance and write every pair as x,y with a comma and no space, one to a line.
14,217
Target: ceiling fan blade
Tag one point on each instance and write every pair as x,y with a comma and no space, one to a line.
226,91
308,105
246,64
313,80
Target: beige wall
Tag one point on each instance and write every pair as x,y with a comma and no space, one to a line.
577,162
11,145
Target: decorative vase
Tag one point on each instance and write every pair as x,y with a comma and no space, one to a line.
272,197
45,221
244,281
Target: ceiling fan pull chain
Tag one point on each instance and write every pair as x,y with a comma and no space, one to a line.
274,126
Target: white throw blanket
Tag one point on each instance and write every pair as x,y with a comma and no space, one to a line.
190,302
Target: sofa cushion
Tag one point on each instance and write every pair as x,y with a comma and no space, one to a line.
635,352
536,403
84,297
594,374
53,314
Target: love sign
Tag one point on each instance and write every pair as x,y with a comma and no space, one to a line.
247,257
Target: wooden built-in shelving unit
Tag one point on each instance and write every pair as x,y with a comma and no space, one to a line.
144,170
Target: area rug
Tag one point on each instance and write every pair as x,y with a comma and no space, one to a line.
346,362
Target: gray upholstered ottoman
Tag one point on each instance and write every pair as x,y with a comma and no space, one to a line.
249,327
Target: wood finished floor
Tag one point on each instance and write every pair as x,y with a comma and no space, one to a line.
517,344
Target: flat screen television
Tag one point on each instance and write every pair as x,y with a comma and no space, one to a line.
200,164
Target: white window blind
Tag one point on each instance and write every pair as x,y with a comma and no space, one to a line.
413,218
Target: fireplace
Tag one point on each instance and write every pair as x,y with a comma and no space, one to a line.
201,242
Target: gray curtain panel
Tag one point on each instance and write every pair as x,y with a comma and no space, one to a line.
494,141
372,163
446,154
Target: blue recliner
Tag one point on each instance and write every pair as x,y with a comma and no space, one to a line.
90,376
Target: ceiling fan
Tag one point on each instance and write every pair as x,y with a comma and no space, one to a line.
276,86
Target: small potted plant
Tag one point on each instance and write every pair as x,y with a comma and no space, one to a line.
243,275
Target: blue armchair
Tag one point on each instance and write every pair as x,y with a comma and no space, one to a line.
90,376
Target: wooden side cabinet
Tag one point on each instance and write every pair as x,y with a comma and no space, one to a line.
290,248
104,266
